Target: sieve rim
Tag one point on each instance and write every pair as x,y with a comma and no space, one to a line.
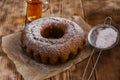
103,26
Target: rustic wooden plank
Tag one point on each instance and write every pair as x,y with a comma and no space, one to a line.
8,70
2,3
97,12
108,65
61,76
72,8
79,8
78,72
2,11
12,17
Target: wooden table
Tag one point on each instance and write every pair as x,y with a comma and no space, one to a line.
12,14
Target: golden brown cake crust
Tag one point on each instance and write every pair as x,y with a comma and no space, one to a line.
52,40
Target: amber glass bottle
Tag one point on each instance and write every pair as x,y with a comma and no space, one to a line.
34,9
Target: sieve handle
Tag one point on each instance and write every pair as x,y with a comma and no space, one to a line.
106,20
89,63
45,5
95,64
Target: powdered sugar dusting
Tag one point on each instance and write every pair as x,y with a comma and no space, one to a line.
49,50
72,28
106,38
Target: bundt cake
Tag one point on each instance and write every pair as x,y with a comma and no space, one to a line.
52,40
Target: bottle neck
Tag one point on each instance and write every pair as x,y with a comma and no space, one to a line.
34,0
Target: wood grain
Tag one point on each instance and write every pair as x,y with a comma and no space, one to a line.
12,14
8,70
108,65
96,11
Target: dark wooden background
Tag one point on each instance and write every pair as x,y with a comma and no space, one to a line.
12,17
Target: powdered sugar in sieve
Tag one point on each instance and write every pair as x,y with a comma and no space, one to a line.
103,36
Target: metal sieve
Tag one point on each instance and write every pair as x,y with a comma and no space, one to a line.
92,38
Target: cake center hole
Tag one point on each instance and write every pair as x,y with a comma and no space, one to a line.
52,32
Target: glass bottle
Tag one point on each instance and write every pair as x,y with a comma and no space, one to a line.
35,9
